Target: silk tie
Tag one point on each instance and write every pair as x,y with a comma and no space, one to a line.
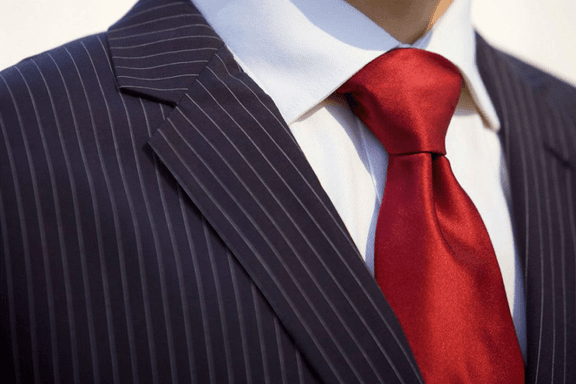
434,261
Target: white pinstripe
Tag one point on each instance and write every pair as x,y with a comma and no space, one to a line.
163,41
223,324
179,51
143,274
200,287
164,114
178,16
158,89
30,288
181,279
571,208
280,351
241,322
261,337
9,280
161,31
40,216
156,78
299,365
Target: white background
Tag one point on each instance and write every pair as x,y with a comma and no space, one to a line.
542,32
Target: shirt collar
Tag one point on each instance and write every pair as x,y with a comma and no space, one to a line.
301,51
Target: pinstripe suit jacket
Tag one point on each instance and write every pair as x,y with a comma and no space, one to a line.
158,222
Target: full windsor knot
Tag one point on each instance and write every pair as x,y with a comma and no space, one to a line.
406,97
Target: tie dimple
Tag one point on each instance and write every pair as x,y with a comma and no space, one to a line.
407,106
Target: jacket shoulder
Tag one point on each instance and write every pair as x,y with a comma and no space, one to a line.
53,74
544,84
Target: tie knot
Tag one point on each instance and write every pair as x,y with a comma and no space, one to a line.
406,97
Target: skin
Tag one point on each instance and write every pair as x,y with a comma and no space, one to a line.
406,20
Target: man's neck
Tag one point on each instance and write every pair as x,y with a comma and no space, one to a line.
406,20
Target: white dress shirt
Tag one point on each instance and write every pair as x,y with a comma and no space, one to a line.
301,51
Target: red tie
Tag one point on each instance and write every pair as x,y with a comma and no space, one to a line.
433,258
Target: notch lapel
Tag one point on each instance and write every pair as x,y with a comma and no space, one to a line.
227,145
539,155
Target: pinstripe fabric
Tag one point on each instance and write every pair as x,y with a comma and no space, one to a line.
109,273
539,139
158,222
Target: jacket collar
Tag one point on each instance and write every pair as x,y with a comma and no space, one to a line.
159,48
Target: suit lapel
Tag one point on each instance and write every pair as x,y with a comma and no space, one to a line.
538,154
227,145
